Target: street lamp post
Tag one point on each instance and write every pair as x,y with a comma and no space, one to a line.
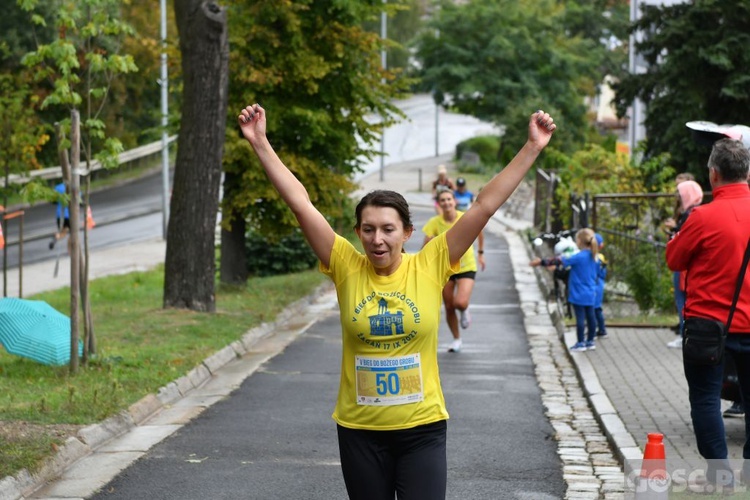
384,64
164,82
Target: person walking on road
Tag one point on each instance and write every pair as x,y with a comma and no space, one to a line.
390,412
457,292
464,197
582,285
709,248
441,183
62,216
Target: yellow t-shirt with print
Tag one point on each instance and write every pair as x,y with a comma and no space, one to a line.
389,370
437,225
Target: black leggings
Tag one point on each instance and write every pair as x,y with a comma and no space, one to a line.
409,462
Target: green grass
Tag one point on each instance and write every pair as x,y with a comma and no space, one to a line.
25,453
141,347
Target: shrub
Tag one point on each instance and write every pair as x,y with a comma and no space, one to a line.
290,254
487,147
649,280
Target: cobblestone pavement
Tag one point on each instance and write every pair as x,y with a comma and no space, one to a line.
591,468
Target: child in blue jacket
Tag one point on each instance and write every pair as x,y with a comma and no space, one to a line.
582,286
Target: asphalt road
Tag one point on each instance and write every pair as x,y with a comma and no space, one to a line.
125,213
273,438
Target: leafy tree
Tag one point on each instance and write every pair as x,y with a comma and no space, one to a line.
501,60
22,135
136,102
403,24
18,35
698,59
78,64
605,23
317,71
190,266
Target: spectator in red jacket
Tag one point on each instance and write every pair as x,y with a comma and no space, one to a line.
710,247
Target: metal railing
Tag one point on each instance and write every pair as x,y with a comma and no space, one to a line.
630,223
129,156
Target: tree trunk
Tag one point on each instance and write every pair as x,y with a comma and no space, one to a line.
75,246
190,265
233,269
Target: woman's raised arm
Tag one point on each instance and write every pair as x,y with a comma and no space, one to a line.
317,230
500,187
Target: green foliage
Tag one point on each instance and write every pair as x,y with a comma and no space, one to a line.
289,254
649,280
78,64
601,20
596,170
502,60
23,452
486,146
697,57
22,135
135,112
317,73
403,23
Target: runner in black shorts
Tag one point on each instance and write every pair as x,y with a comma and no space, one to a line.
457,292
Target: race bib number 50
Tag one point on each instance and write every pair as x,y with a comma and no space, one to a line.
388,381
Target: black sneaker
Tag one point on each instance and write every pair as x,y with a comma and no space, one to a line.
735,411
601,334
52,243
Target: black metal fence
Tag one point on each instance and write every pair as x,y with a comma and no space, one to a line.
631,224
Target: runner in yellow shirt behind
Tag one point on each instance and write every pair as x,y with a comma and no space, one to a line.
457,292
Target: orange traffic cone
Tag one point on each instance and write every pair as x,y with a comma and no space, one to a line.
653,481
90,224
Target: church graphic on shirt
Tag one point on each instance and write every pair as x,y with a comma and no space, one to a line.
386,323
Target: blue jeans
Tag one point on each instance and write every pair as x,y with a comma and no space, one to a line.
600,326
585,317
704,389
679,299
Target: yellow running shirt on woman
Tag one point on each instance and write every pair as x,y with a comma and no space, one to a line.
437,225
389,370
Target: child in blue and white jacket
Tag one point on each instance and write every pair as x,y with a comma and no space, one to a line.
582,286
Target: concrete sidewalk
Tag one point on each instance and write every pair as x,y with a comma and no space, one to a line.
633,383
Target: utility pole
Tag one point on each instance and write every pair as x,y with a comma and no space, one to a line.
164,82
384,64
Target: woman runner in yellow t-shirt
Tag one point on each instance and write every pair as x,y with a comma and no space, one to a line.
390,412
457,292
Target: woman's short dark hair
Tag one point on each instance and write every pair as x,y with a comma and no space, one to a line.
731,159
384,198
